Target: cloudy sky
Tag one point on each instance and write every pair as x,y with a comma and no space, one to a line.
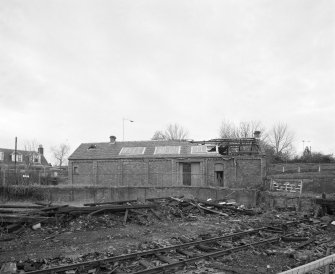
71,70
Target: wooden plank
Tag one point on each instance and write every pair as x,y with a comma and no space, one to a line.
115,208
125,217
20,206
110,203
95,212
212,211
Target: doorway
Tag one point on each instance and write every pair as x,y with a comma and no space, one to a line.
187,174
219,175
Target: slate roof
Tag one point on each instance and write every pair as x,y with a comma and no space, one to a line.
26,154
112,151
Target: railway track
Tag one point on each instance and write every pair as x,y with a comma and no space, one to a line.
169,258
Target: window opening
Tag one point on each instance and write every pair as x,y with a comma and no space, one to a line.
219,178
36,158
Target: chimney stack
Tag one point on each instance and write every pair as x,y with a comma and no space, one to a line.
40,150
112,139
257,134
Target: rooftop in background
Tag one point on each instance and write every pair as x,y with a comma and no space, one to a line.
28,157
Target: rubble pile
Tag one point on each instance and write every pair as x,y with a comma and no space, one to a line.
14,219
303,238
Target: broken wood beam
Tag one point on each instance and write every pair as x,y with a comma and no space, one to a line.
96,212
294,239
125,217
110,203
164,198
306,243
76,211
155,214
209,210
20,206
43,204
228,207
50,208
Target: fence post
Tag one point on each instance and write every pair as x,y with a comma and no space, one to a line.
4,178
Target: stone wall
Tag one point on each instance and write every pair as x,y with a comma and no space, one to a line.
284,201
89,194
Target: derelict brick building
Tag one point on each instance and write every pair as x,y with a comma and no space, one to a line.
233,163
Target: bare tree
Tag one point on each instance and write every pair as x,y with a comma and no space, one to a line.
60,153
281,139
228,129
30,145
243,129
158,135
172,132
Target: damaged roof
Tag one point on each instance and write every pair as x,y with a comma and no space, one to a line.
145,149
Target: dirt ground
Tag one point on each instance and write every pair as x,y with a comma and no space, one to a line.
98,237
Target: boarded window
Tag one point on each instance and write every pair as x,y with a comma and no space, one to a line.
186,174
167,150
75,170
191,174
132,150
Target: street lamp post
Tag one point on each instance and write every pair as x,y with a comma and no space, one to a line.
125,119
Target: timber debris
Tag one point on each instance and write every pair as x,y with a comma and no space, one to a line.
242,241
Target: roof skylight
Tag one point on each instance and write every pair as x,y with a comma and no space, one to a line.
132,151
167,150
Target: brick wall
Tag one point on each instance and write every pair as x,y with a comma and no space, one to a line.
134,172
160,172
85,172
109,173
241,172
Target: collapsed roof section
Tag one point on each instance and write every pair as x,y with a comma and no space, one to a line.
241,146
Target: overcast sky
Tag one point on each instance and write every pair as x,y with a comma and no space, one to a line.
71,70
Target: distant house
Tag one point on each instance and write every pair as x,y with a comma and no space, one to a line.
218,163
24,159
